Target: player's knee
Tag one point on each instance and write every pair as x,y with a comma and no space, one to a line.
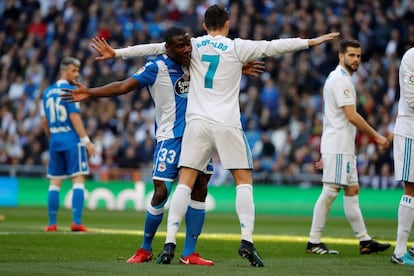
160,195
352,190
199,192
329,192
409,188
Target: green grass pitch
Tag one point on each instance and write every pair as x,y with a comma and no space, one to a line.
115,235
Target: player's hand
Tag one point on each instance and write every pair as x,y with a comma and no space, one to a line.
323,38
90,147
102,47
75,95
319,164
382,142
253,68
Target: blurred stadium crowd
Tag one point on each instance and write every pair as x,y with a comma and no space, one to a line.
281,110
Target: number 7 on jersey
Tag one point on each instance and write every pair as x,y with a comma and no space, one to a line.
211,71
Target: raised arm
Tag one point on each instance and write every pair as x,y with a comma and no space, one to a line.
107,52
248,50
322,39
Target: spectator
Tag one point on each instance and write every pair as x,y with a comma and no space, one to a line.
35,35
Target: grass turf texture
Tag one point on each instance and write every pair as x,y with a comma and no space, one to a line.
114,236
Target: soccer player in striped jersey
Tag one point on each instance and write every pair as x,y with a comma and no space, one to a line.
404,159
213,118
167,79
68,143
340,124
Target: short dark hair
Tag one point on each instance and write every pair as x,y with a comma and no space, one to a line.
344,44
215,17
173,32
69,60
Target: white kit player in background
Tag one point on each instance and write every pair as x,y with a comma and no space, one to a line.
340,123
404,159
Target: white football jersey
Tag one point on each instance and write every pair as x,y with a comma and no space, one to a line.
404,124
215,71
338,134
216,68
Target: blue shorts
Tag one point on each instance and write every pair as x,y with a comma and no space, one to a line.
68,163
166,157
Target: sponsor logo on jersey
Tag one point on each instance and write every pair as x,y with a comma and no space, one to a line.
347,93
181,86
161,167
140,71
60,129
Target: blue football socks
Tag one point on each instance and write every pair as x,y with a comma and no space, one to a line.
194,219
78,199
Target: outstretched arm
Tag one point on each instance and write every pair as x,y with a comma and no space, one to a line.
322,39
107,52
82,93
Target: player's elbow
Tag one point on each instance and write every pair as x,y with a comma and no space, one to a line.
127,86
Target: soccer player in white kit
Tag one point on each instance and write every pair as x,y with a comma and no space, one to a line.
404,159
340,124
213,118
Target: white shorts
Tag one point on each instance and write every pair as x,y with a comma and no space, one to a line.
403,158
202,139
339,169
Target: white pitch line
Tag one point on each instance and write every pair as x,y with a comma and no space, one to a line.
206,236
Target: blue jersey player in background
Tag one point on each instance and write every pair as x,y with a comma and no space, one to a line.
167,79
68,143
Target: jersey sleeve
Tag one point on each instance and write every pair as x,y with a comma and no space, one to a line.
248,50
147,74
141,50
407,72
73,107
344,92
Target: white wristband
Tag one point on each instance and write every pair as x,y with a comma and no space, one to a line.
85,140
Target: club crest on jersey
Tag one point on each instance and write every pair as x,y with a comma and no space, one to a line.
411,80
347,93
181,86
161,167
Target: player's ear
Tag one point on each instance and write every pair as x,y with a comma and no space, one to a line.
205,27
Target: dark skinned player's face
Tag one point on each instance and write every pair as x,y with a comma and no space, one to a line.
179,50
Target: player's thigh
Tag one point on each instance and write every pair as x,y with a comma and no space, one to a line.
165,159
339,169
57,164
403,158
77,160
198,145
232,148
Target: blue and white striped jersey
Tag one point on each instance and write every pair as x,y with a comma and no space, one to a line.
168,84
62,134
